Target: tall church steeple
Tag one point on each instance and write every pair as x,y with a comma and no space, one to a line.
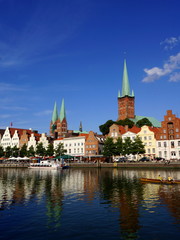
62,111
55,114
58,125
126,99
125,82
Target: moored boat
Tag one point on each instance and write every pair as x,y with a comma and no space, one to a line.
164,181
44,166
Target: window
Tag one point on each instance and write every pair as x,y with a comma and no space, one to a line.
149,151
153,150
165,145
164,136
150,137
173,153
164,130
159,144
160,154
178,143
177,129
145,138
172,144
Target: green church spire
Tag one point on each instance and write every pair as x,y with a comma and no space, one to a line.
125,83
119,94
62,111
55,114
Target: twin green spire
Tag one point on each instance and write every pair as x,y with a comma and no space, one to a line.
62,115
125,84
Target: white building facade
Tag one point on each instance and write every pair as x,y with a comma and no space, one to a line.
75,146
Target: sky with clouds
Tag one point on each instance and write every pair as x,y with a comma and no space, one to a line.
74,49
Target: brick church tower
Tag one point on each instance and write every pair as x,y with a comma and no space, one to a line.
125,100
58,125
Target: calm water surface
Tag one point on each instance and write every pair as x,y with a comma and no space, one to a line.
87,204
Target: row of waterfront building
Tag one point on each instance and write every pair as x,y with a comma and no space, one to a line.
159,142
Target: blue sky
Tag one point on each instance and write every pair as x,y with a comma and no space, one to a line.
74,49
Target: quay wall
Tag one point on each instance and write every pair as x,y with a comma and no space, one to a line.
149,165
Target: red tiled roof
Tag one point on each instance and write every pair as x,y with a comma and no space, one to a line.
134,129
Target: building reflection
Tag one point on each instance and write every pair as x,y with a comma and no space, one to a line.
120,189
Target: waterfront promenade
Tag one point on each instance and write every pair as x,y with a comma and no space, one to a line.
148,165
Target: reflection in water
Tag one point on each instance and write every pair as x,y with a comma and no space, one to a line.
119,192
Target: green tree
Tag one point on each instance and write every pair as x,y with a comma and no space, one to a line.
23,151
137,146
59,150
15,151
109,147
142,122
126,122
40,150
8,152
50,150
1,151
127,146
31,152
104,128
119,146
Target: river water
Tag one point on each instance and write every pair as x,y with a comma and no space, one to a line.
87,204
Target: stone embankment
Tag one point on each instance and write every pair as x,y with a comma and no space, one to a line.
174,165
149,165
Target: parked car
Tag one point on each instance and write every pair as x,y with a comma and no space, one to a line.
159,159
144,159
122,159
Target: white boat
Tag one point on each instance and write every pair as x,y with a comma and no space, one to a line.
48,165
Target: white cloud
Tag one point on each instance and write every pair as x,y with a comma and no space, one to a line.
175,77
169,67
170,43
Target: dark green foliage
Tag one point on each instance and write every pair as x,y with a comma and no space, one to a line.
1,151
104,128
137,146
40,150
109,147
142,122
31,152
60,151
8,152
15,151
23,151
50,150
119,146
127,146
126,122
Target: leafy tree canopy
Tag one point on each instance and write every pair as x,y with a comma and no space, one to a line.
60,151
125,122
142,122
23,151
109,147
50,150
40,150
1,151
104,128
137,146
